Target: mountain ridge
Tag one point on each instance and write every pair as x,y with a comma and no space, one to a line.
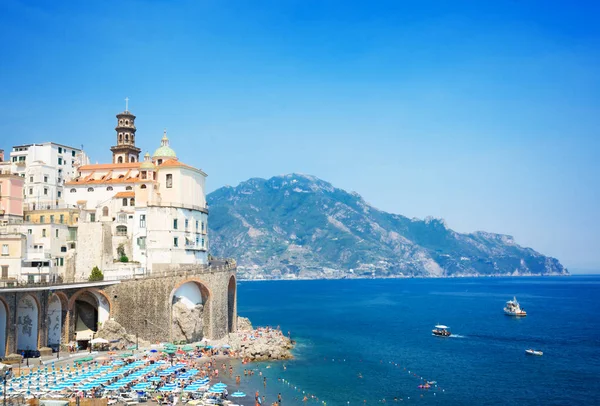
299,226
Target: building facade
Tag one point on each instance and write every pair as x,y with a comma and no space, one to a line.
135,215
11,197
45,168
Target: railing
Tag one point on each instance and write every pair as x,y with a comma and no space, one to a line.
178,205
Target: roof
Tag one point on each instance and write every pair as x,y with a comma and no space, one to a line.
163,152
81,201
129,165
125,194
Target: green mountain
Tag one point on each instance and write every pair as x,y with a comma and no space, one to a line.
298,226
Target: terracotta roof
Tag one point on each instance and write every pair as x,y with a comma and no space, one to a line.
130,165
174,163
125,194
105,182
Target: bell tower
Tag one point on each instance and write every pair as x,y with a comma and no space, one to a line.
125,151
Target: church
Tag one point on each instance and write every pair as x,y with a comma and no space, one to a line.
137,214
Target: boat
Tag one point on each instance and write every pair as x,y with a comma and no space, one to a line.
441,331
513,308
534,352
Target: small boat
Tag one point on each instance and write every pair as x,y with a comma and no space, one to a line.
441,331
534,352
513,308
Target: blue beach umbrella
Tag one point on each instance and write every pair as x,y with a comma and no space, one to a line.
238,394
216,390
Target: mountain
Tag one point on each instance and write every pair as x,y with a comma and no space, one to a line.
299,226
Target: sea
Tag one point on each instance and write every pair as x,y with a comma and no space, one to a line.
369,341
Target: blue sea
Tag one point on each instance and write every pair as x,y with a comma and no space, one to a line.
366,341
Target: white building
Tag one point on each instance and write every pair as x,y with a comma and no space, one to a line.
45,168
137,214
33,253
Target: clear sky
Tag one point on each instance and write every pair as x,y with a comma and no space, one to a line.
484,113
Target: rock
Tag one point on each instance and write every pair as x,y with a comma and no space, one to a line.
118,337
243,324
187,322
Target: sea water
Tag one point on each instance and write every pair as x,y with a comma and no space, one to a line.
362,341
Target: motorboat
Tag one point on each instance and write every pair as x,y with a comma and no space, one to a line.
441,331
513,308
534,352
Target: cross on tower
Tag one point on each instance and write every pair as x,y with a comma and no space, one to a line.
127,104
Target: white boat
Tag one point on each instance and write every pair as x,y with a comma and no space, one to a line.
534,352
441,331
513,308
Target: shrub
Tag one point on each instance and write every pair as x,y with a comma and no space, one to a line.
124,258
96,275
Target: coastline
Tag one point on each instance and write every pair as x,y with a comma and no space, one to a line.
417,277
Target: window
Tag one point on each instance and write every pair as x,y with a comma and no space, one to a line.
63,249
61,261
105,211
122,218
203,243
57,233
73,190
30,191
144,174
72,153
61,219
92,217
132,202
197,241
142,221
90,189
29,231
124,201
45,179
46,191
175,242
141,241
120,160
60,161
59,194
4,271
175,224
4,249
59,150
109,188
169,180
186,223
122,230
28,218
43,232
42,219
197,223
143,187
52,218
203,226
128,188
159,161
31,179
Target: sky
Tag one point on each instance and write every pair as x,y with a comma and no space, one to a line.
486,114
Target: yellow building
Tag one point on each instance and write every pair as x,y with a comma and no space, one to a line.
68,216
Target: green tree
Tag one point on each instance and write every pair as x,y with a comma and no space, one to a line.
96,275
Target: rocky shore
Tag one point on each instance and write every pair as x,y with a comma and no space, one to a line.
248,343
260,344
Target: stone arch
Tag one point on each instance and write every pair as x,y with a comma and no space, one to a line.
120,160
105,211
231,305
28,311
4,318
190,301
88,308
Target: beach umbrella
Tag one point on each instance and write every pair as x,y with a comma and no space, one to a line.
187,348
238,394
226,346
216,390
220,385
153,350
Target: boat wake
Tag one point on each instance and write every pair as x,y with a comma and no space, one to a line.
457,336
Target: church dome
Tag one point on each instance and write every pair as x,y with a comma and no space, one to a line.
164,151
147,164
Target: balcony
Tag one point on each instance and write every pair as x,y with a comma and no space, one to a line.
38,255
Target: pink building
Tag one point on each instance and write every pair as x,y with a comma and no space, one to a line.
11,197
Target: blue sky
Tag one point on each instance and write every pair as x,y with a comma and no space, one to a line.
483,113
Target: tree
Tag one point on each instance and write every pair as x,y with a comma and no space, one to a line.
96,275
